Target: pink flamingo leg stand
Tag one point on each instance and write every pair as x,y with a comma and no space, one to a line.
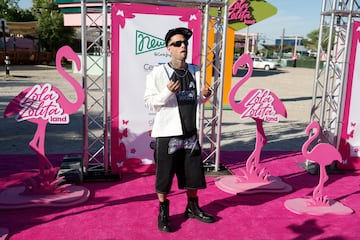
38,104
260,105
252,171
324,154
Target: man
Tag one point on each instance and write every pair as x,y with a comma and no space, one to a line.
173,92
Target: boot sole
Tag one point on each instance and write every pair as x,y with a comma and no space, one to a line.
189,215
164,230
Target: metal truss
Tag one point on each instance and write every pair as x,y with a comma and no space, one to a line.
214,57
96,129
330,79
96,134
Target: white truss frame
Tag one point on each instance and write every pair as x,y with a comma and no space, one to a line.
330,79
96,112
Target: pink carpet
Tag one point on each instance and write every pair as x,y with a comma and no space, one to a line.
128,209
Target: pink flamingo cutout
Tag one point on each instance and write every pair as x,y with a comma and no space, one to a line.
323,154
36,104
261,105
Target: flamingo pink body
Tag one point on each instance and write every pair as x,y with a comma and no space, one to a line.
67,107
259,104
239,108
323,154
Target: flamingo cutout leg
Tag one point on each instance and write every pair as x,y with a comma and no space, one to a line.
254,104
261,141
324,154
253,172
44,189
254,179
318,198
37,144
46,181
318,204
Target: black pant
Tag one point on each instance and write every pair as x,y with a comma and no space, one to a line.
185,163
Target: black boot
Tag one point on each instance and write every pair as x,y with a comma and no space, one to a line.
163,218
194,211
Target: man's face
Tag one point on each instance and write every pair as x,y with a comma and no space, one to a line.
178,47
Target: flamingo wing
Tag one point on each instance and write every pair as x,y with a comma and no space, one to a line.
279,106
252,98
14,106
324,154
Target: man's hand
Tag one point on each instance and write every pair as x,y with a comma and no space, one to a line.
173,86
206,92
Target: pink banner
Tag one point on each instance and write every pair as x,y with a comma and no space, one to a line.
350,132
138,45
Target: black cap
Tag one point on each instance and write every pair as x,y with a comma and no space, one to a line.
187,33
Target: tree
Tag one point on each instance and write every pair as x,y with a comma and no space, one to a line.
313,39
10,11
6,4
52,32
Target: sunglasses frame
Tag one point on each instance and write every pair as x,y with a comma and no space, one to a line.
179,43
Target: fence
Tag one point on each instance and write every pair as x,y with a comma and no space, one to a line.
26,57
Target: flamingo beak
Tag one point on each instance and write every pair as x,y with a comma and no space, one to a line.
78,63
75,58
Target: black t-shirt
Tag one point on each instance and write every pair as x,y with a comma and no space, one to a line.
187,100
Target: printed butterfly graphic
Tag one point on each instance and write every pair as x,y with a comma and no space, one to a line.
123,133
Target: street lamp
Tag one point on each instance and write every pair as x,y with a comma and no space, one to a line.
7,65
7,58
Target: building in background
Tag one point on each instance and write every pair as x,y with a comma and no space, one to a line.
246,42
291,45
22,44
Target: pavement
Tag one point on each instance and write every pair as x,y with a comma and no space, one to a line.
294,86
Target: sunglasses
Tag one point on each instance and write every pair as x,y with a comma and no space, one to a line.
178,43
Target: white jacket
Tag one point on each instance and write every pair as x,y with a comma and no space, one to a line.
158,98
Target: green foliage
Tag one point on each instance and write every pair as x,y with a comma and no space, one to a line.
19,15
6,4
52,32
303,63
10,11
313,39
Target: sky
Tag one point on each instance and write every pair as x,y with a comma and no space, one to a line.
25,4
294,18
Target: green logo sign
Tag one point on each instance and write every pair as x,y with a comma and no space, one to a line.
146,42
255,11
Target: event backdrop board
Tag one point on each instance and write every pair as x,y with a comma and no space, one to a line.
350,132
138,45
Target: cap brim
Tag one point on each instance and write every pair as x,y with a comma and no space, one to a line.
187,33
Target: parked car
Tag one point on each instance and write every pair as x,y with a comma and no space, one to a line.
264,64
